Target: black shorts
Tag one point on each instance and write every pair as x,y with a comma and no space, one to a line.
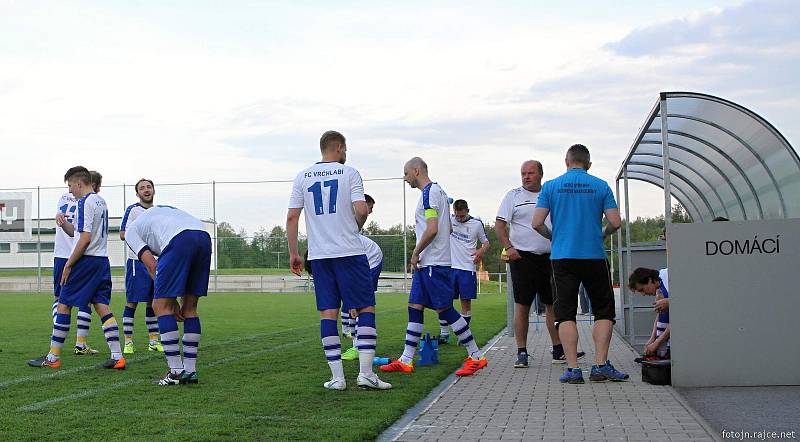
568,274
532,274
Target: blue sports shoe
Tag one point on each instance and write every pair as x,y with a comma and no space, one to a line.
607,372
572,376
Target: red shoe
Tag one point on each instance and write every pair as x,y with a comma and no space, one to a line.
471,366
43,362
396,365
114,364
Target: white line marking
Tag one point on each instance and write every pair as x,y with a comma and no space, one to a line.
255,353
64,372
85,393
228,416
93,391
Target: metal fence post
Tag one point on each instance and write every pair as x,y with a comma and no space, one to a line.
405,240
509,303
124,208
500,285
216,241
39,239
630,321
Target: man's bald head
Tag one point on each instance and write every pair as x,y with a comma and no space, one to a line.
415,172
533,163
532,172
417,163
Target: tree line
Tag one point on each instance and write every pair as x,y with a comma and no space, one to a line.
269,248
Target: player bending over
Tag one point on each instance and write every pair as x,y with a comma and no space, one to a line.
183,248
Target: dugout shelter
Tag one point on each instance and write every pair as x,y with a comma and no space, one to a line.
732,284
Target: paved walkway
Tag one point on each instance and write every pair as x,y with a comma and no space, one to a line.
506,403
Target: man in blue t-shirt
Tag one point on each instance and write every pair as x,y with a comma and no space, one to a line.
576,203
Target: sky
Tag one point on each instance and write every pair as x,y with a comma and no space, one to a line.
195,91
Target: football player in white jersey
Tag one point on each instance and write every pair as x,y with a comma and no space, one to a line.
375,259
184,249
64,243
332,195
431,284
465,254
138,283
86,277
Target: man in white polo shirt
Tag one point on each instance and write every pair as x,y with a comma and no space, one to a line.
528,259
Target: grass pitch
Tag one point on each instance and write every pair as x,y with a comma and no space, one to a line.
261,369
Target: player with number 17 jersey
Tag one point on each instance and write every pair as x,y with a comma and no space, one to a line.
332,196
326,192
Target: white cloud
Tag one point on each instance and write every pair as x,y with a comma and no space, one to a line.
199,92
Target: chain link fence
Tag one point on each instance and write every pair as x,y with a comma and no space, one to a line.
246,220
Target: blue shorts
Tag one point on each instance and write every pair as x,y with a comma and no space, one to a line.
432,287
465,285
184,265
88,282
138,283
374,274
58,269
343,281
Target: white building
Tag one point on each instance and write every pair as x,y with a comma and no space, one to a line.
39,249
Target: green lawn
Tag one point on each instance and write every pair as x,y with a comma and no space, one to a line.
261,370
120,271
48,272
258,271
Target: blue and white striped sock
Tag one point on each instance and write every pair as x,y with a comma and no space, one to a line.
111,332
55,308
416,319
168,326
366,340
443,329
353,325
128,316
461,328
332,346
84,323
191,343
347,327
152,325
60,332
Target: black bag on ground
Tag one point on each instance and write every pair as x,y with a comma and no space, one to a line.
657,372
